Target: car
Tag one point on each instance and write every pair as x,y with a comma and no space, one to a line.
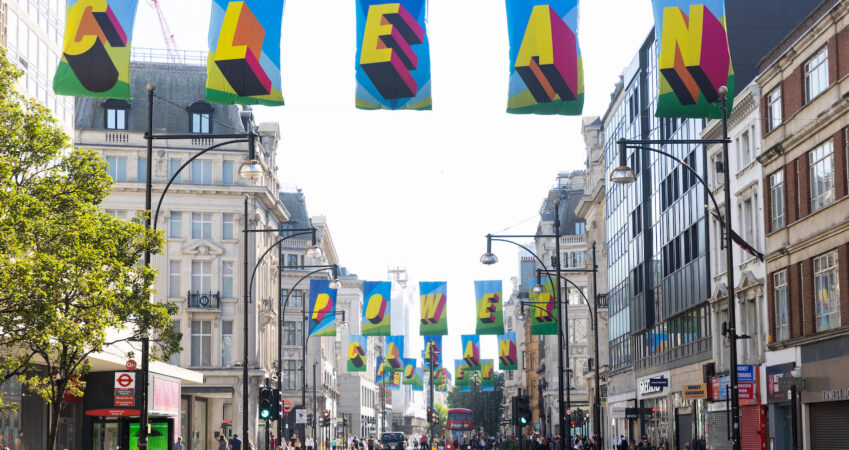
393,440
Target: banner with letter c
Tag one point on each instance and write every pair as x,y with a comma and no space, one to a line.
95,58
393,55
694,59
546,68
376,318
322,313
243,65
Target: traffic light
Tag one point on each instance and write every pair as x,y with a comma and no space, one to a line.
430,415
310,419
523,410
266,403
324,421
276,405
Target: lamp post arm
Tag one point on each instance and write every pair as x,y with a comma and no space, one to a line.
586,300
547,270
267,251
180,170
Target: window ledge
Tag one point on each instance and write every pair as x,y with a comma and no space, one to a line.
816,337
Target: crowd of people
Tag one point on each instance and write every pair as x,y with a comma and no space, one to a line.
624,443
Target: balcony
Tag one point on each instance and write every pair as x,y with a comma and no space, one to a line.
602,301
204,300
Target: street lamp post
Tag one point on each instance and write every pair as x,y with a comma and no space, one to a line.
250,169
624,174
489,258
335,284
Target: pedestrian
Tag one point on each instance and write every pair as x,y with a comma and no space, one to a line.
644,444
310,443
179,444
235,443
271,441
222,443
251,444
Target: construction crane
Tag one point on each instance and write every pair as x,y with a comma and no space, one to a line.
170,43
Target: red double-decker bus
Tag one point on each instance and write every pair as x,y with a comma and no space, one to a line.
459,423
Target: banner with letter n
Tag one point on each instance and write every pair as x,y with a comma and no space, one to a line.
546,68
434,303
694,59
487,375
376,308
357,353
322,311
243,64
95,59
471,345
543,309
507,352
393,55
490,314
462,376
395,353
433,351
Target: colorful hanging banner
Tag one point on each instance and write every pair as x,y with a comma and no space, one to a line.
694,60
487,375
357,356
462,376
434,302
393,55
543,309
490,317
395,353
433,346
376,308
440,380
546,68
243,65
471,345
380,371
413,376
395,380
322,311
507,353
96,52
418,380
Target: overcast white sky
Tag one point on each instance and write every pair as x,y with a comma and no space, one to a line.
422,189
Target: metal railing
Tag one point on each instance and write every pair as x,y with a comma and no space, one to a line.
602,300
204,300
160,55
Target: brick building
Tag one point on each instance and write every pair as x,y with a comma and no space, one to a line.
805,114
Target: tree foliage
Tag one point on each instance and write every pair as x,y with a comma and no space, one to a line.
70,279
442,413
487,407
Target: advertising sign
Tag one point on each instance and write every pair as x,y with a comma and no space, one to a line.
695,391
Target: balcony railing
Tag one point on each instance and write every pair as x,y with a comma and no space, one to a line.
602,300
204,300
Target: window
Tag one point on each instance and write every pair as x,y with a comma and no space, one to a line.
296,299
822,176
744,149
174,167
776,200
227,226
227,172
292,260
826,292
117,168
201,343
174,278
226,343
293,333
117,214
782,307
174,359
200,123
201,226
227,279
816,75
577,259
115,114
291,375
201,172
175,225
773,101
201,276
747,220
580,228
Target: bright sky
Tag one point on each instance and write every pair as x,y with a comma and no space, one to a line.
422,189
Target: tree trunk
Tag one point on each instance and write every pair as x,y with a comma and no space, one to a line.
56,405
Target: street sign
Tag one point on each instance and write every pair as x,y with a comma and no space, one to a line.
659,382
125,389
785,383
745,372
288,406
131,364
301,416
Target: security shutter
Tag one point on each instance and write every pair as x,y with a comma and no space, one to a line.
717,431
752,428
828,424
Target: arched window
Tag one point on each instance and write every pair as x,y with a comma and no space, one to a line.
115,114
200,117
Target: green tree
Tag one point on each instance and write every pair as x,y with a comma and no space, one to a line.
487,407
442,413
70,279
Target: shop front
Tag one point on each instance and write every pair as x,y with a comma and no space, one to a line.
654,401
752,413
779,407
826,392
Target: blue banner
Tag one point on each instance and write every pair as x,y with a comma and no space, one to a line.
322,311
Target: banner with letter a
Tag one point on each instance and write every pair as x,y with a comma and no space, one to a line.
434,303
543,309
357,353
507,353
243,65
546,68
381,372
433,346
395,353
694,60
96,53
462,376
376,308
322,311
490,316
471,345
393,55
487,375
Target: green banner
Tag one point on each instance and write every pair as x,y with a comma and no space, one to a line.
543,309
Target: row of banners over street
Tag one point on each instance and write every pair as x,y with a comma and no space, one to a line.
392,58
